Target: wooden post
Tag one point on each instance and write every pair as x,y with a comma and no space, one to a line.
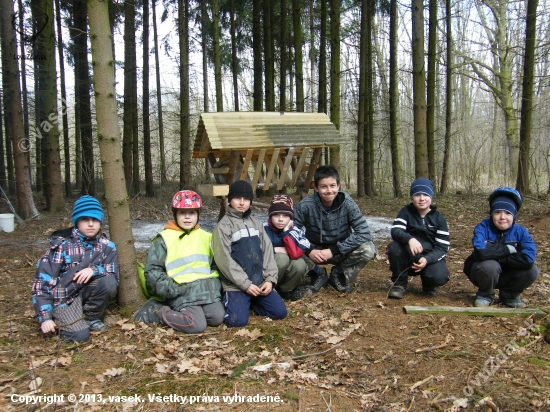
313,164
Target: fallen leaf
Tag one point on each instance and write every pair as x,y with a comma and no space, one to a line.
128,326
335,339
184,365
380,305
121,322
461,403
100,378
262,368
114,372
161,368
35,384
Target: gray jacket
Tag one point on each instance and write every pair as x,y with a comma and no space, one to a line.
342,229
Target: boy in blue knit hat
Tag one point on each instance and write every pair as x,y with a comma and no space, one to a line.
420,243
77,277
504,253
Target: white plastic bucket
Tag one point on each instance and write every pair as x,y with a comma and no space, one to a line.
6,222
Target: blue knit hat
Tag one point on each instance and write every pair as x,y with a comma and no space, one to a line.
422,185
87,206
504,203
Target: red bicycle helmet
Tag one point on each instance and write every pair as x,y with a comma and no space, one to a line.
187,199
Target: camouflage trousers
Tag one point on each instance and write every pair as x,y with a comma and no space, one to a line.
349,264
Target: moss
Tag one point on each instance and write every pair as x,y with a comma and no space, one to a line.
539,362
241,367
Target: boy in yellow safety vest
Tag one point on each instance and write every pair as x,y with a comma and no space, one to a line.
180,267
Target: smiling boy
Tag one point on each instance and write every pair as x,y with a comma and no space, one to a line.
504,253
420,243
337,230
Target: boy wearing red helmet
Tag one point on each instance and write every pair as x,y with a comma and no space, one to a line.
504,253
180,267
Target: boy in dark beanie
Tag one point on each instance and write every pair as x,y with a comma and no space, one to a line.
244,256
420,243
289,245
77,277
504,253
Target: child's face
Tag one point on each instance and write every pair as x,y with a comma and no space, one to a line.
187,218
280,220
422,202
502,219
242,204
88,226
328,190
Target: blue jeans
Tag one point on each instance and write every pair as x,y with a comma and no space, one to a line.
238,305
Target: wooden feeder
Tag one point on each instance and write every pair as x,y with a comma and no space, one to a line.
239,144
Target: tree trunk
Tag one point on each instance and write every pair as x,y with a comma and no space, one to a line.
448,102
159,99
298,68
66,142
369,104
283,68
522,183
108,133
361,103
419,90
3,174
322,102
269,61
24,82
234,61
430,108
335,76
9,150
81,65
257,54
129,72
217,57
14,111
183,31
53,188
149,189
394,103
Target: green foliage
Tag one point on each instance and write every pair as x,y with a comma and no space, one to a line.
241,367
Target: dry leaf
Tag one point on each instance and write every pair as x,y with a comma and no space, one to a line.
255,334
161,368
64,361
114,372
262,368
335,339
184,365
128,326
461,403
121,322
318,315
380,305
35,384
100,378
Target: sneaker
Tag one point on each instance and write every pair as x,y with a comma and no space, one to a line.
429,291
297,293
515,303
336,282
482,302
149,312
97,326
397,292
318,280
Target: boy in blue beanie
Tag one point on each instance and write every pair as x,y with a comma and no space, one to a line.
504,253
77,277
420,243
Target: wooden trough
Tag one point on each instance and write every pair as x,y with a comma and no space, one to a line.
268,149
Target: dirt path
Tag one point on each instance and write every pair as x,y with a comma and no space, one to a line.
334,352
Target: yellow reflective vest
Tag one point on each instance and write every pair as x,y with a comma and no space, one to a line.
189,258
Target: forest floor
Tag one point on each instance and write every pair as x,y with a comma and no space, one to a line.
334,352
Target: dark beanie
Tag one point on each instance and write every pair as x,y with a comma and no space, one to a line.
87,206
281,204
422,185
504,203
240,188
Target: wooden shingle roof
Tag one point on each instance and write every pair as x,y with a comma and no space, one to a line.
219,132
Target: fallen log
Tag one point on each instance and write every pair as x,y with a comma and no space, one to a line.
472,311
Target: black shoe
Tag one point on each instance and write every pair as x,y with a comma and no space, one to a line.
149,312
318,280
397,292
429,291
297,293
337,283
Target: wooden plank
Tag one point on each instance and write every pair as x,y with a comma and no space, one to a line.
490,311
246,164
258,171
313,164
213,190
271,168
233,160
222,170
284,169
301,163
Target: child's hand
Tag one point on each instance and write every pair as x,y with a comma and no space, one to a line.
48,326
421,264
83,276
416,246
265,289
288,226
320,256
253,290
280,249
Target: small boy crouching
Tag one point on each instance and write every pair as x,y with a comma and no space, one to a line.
180,268
420,243
504,253
244,256
289,245
77,277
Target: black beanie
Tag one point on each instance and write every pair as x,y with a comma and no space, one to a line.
240,188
